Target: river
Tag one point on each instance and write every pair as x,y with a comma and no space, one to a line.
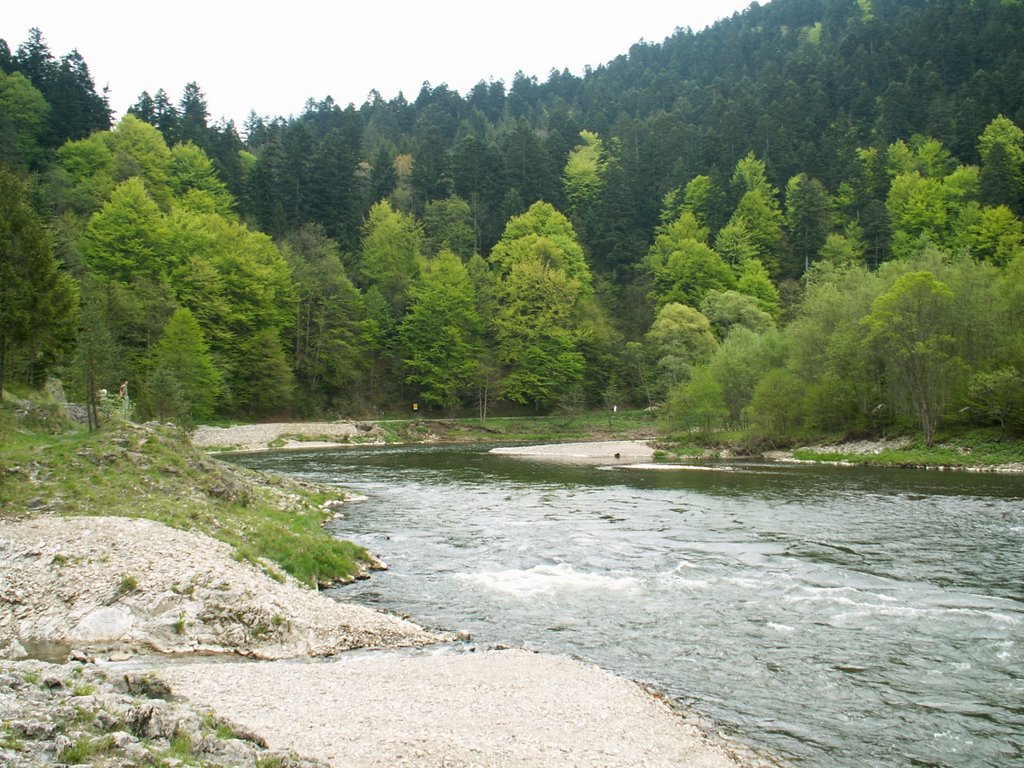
830,616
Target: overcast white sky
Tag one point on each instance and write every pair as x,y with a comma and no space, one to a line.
272,57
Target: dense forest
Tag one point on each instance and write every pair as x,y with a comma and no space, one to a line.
806,218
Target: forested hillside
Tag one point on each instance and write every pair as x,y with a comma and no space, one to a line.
804,219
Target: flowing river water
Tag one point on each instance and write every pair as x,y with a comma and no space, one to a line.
828,616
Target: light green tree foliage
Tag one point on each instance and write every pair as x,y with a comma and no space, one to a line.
743,358
536,332
726,310
88,170
735,245
582,176
545,234
441,332
1011,291
672,204
390,250
842,250
759,210
963,185
37,300
679,339
448,225
755,282
762,218
1005,132
704,199
183,381
906,324
127,239
544,290
139,149
997,236
683,266
750,175
195,181
85,174
238,286
828,349
327,346
923,155
919,212
697,404
24,118
583,181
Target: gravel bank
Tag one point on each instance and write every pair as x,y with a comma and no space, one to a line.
113,587
487,710
126,585
288,435
606,452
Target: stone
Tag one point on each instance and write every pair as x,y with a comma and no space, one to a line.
33,729
105,623
104,721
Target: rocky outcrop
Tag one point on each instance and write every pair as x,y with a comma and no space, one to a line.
107,585
75,714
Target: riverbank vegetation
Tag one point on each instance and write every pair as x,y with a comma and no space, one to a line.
804,221
50,466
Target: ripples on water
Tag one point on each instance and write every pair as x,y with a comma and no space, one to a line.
849,617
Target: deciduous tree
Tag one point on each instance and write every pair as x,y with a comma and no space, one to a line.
907,324
441,332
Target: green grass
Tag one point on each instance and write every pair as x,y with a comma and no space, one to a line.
181,745
973,448
154,472
85,748
127,585
559,427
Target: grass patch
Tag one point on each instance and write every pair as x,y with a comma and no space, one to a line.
85,748
181,745
154,472
974,448
127,585
565,426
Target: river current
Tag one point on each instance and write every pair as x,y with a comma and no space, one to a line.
828,616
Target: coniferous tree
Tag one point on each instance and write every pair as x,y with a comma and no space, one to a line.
37,300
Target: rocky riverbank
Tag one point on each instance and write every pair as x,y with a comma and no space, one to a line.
134,609
138,597
75,714
128,586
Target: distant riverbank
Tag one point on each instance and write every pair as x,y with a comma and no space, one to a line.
591,438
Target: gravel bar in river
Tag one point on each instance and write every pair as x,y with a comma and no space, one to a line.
488,709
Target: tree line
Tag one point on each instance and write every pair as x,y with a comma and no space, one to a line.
513,250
